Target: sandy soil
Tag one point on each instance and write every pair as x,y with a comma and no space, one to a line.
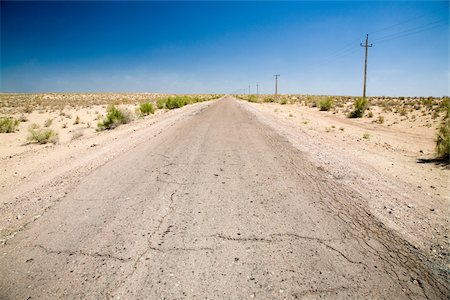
225,199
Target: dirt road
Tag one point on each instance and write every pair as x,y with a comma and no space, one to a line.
218,206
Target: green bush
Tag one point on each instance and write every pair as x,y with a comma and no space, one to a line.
175,102
443,138
161,103
146,109
114,117
252,98
8,124
326,104
41,136
360,107
283,101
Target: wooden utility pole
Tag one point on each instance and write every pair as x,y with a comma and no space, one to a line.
367,46
257,90
276,85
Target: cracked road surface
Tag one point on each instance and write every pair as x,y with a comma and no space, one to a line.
217,206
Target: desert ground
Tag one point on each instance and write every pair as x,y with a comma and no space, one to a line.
223,198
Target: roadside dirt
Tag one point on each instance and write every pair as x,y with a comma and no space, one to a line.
215,200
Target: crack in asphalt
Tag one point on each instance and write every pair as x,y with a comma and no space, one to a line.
320,291
163,250
148,248
80,252
289,235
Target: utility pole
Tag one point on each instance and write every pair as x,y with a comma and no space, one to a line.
249,89
276,85
367,46
257,90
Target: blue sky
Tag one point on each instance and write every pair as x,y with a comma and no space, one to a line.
223,47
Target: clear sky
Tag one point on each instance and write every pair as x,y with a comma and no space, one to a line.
223,47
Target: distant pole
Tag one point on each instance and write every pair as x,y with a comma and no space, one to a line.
257,90
249,89
367,46
276,85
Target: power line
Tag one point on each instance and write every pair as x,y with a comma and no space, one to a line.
411,31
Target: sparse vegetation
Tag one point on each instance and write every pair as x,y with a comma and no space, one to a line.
366,136
443,136
360,107
77,120
252,98
146,108
326,104
41,136
443,140
161,103
8,125
175,102
114,117
283,101
380,120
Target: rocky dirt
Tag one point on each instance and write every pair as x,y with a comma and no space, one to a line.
215,200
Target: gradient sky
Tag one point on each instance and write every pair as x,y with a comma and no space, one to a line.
223,47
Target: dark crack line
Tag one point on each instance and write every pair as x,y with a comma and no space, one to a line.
321,291
82,253
148,248
163,250
290,235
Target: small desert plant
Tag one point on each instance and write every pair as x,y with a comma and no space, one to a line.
380,120
77,120
161,103
366,136
175,102
48,122
146,109
253,99
370,114
41,136
435,115
326,104
114,117
291,115
283,101
360,107
8,125
443,140
443,137
64,125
